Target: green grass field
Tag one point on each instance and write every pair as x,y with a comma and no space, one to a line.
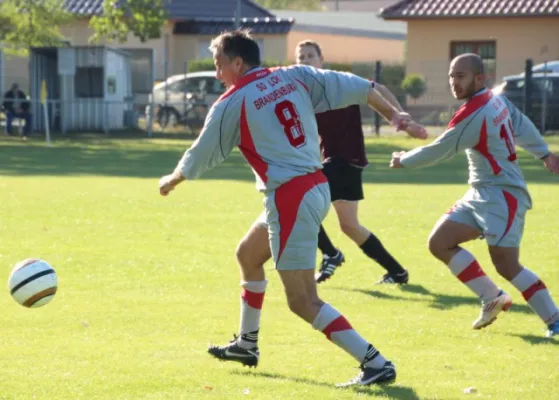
146,283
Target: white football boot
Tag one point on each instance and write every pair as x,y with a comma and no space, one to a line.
490,309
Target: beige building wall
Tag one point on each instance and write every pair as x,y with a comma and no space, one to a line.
349,49
428,50
79,33
189,47
16,70
181,48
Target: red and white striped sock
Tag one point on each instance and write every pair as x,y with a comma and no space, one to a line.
338,330
536,294
465,267
252,297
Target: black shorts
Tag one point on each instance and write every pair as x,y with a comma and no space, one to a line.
345,180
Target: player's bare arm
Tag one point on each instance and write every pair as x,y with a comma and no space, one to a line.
387,110
389,96
401,120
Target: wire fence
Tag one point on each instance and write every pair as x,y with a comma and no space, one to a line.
180,105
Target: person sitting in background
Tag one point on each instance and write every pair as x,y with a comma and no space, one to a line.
16,105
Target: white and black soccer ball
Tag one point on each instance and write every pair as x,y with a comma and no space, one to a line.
33,283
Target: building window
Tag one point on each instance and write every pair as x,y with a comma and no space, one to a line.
487,52
89,82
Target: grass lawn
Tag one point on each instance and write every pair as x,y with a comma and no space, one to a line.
146,283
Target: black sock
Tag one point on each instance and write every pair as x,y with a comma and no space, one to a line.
375,250
325,245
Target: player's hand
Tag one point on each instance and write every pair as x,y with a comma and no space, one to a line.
416,131
168,183
551,162
401,120
395,162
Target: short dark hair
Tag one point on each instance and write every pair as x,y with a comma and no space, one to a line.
311,43
238,43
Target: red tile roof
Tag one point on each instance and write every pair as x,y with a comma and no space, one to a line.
424,9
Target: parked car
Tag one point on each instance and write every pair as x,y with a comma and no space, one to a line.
545,96
185,99
549,67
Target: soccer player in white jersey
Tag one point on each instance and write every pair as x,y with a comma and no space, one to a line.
487,127
269,115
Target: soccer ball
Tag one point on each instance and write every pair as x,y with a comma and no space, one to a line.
33,283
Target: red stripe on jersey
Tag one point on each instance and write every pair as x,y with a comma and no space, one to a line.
249,150
245,80
512,206
288,197
302,84
471,272
468,108
532,290
254,300
338,325
483,148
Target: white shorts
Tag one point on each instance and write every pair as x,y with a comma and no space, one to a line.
497,212
293,214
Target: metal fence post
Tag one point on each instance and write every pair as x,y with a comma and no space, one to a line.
527,105
378,70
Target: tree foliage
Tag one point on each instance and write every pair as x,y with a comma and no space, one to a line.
142,18
32,23
414,85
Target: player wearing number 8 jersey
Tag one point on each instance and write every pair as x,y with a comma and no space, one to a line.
487,127
269,115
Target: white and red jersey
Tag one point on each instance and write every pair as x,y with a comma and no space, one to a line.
270,115
487,127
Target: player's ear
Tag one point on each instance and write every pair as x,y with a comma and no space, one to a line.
480,78
238,62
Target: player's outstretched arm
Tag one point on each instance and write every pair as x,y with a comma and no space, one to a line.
401,120
388,95
526,135
216,141
446,146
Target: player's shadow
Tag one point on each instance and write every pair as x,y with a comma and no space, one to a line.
393,392
99,155
439,301
533,339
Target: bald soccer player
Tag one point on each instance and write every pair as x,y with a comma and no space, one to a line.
487,127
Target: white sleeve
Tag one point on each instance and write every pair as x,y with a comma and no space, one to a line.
454,140
220,134
526,135
331,90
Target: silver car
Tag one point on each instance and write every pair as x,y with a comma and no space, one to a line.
184,99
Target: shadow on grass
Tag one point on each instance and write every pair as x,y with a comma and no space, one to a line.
106,157
393,392
439,301
146,158
533,339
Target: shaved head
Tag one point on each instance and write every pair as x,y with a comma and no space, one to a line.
471,62
466,76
